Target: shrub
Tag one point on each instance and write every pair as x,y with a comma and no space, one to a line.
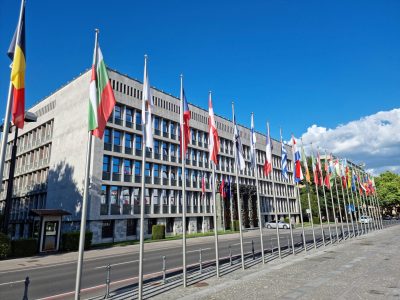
316,220
236,225
5,245
24,247
286,220
158,232
70,240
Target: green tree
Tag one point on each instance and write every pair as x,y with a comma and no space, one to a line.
388,189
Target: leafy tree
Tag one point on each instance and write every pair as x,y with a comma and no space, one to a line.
388,189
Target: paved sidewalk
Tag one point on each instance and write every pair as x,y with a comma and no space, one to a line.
363,268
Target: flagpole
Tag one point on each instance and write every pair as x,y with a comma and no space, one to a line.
239,205
348,200
366,225
142,200
340,209
7,114
231,201
85,198
326,203
287,201
298,196
373,213
333,203
363,229
308,197
260,222
319,205
215,221
301,216
345,208
354,204
379,208
184,204
275,202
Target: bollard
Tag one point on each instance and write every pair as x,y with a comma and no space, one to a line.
252,249
200,264
163,268
288,244
27,281
272,247
108,268
230,255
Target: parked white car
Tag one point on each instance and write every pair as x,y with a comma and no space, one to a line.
281,225
365,219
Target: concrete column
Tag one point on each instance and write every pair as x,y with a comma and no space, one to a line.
178,226
192,228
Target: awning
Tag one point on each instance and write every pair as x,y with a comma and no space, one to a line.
49,212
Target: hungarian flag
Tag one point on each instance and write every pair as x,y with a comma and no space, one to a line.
213,146
185,117
298,173
16,52
101,96
268,154
222,189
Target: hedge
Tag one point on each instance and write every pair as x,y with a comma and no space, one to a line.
70,240
24,247
5,245
158,232
316,220
236,225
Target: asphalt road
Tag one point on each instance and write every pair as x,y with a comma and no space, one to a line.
58,281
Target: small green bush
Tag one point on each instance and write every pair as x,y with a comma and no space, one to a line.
158,232
316,220
70,240
5,246
24,247
286,220
236,225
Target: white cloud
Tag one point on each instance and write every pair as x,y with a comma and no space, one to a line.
373,140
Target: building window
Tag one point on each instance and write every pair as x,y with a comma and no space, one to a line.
156,170
129,116
147,171
138,143
128,140
117,112
131,227
107,136
127,167
117,138
116,165
138,166
138,117
106,163
107,229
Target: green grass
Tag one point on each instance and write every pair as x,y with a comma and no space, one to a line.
167,238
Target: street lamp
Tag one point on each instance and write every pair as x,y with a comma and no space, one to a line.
29,117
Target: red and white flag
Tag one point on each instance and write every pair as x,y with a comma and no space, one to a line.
203,185
213,146
268,156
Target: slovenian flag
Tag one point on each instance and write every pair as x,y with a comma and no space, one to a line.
298,173
213,145
185,118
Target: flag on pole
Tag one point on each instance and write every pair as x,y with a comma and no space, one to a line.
185,118
268,154
353,181
213,146
222,189
253,140
16,52
147,108
101,96
305,164
238,146
298,173
229,186
284,161
203,184
327,180
315,168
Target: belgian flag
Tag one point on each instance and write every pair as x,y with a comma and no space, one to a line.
16,52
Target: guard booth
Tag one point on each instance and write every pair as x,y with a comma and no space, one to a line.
47,224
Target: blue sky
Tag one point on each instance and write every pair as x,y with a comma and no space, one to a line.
294,63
